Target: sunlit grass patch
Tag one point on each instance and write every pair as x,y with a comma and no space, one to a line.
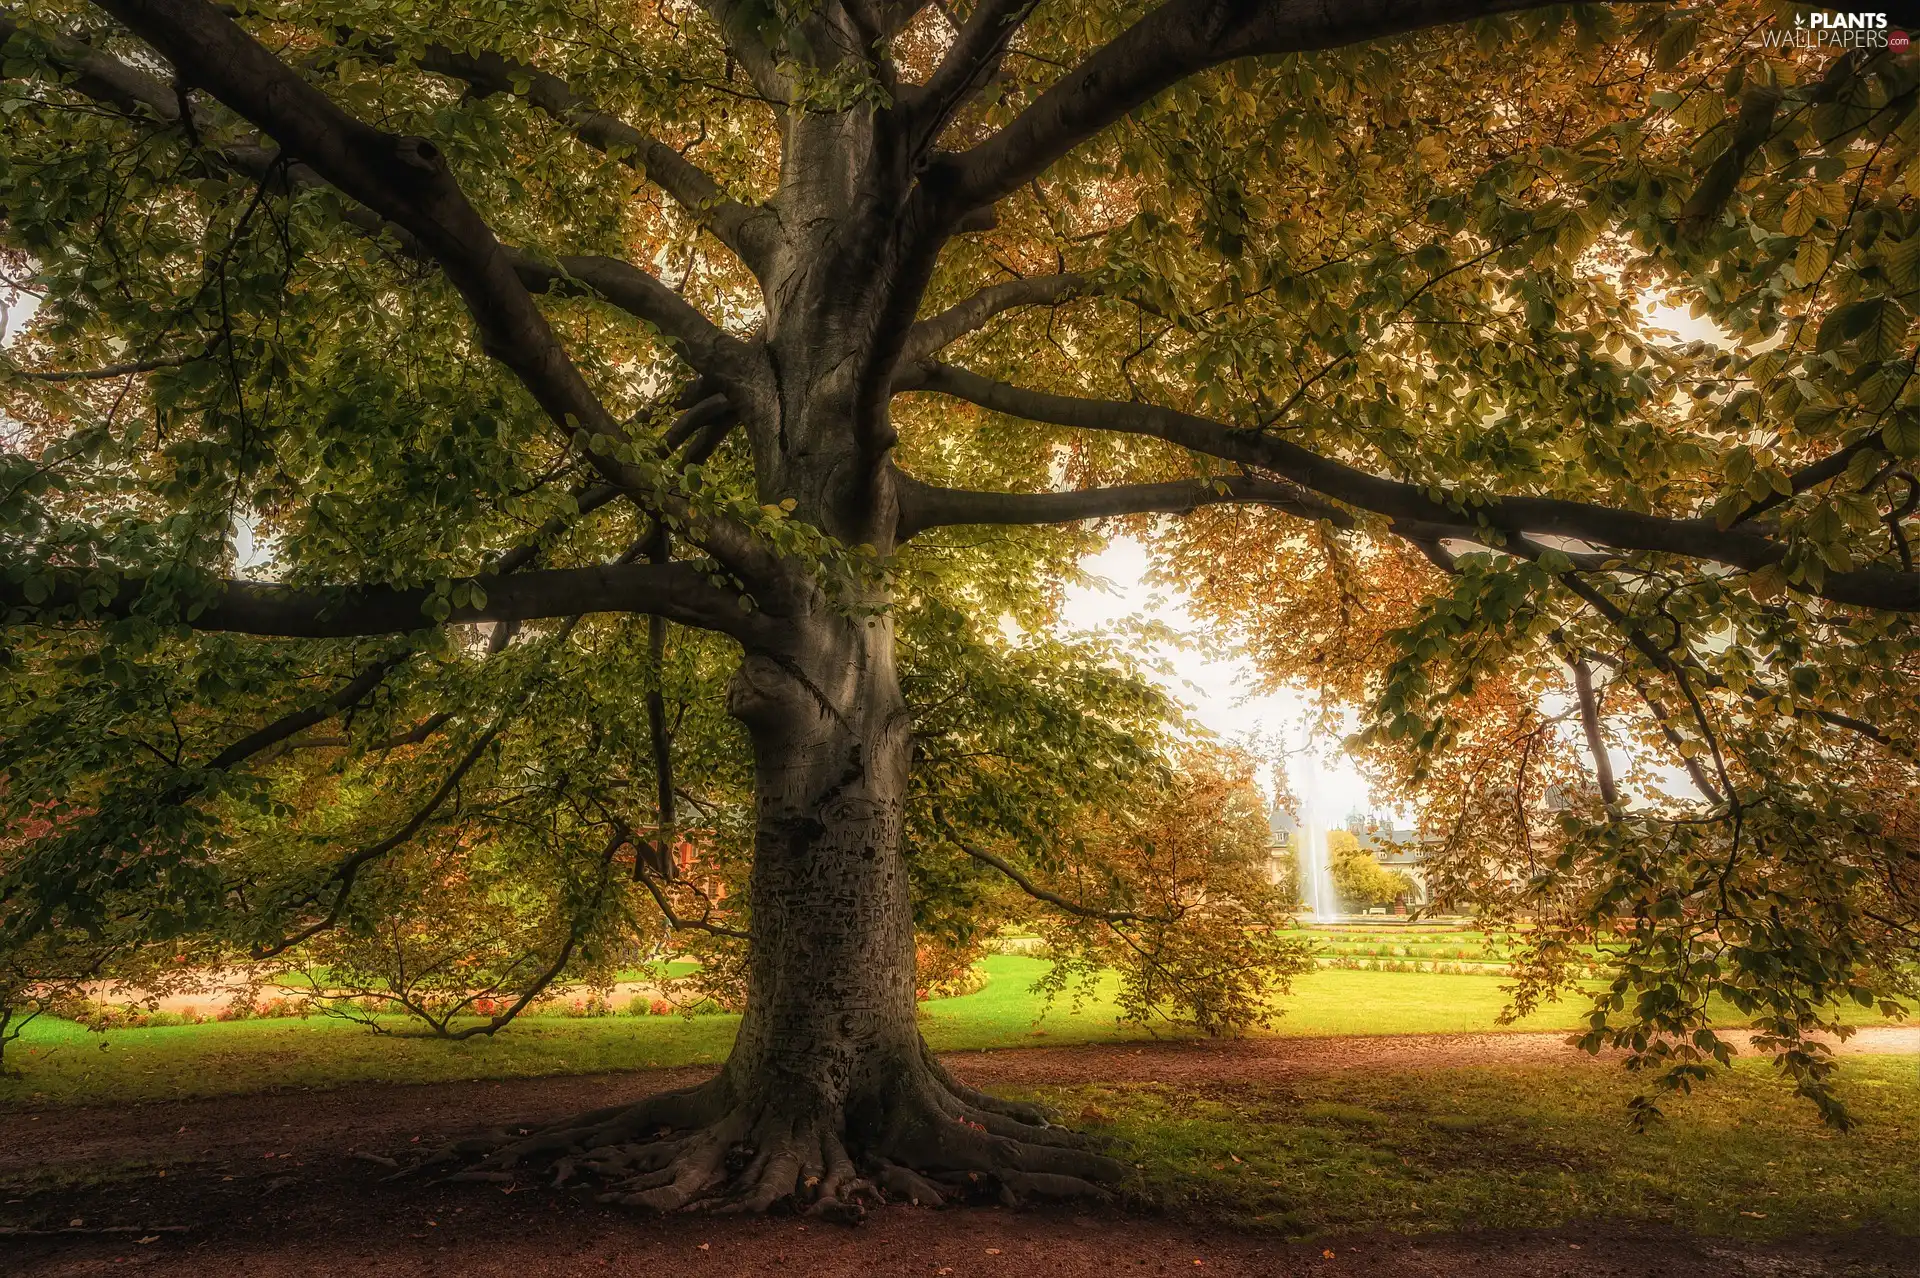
1512,1146
58,1062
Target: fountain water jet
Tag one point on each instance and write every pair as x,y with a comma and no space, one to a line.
1316,874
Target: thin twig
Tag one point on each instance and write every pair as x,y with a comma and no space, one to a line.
1039,893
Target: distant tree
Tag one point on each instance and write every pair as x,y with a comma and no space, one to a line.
550,345
1211,953
1359,880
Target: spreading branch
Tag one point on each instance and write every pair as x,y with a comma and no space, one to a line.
575,933
923,506
138,94
1590,724
680,924
676,590
747,231
970,62
702,343
543,365
404,180
1175,41
288,725
1468,517
97,75
108,372
937,332
347,871
1054,899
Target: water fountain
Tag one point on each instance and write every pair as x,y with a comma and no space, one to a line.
1316,875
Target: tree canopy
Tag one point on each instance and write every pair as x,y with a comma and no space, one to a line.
654,406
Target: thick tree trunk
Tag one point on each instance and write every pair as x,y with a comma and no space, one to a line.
830,1099
830,1013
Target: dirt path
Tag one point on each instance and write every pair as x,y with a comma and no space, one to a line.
967,1243
274,1184
1269,1057
387,1117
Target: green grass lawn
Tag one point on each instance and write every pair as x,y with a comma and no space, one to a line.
1326,1002
1486,1147
58,1062
1509,1146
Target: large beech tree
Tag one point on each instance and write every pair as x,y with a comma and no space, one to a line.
747,318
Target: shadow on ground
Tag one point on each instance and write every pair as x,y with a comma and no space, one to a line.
283,1183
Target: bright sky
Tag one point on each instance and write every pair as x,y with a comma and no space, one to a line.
1216,682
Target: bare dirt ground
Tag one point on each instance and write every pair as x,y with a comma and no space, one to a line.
277,1184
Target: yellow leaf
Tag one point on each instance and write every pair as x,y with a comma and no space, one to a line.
1800,214
1810,262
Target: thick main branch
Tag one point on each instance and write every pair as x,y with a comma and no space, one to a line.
1462,515
923,506
936,332
401,179
677,591
1177,40
745,230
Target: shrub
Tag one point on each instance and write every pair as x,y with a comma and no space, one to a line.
590,1006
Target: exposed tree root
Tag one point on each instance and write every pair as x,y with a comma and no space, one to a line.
924,1138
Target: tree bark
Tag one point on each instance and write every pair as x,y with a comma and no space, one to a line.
830,1013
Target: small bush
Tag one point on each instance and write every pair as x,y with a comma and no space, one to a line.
590,1006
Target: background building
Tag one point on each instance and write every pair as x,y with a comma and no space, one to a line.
1395,847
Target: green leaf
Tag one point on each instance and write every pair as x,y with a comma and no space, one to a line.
1901,434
